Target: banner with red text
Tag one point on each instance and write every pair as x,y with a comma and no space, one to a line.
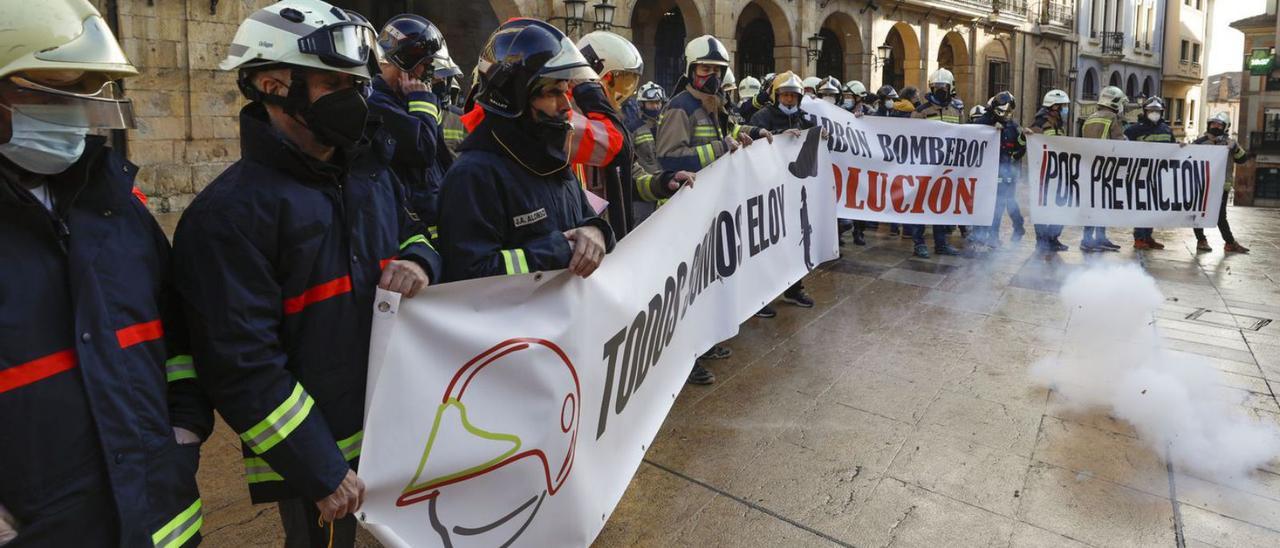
514,410
1098,182
903,170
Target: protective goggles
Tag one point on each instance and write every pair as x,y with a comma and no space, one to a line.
103,108
347,44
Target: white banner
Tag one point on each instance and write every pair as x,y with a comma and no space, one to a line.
1099,182
517,408
902,170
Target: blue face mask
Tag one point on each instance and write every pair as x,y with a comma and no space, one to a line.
788,110
1066,111
43,147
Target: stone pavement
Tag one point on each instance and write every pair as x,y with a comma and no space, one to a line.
900,411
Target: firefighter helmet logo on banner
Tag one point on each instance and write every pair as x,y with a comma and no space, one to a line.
526,445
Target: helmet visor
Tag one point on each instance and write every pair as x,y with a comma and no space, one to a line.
569,64
625,83
342,45
103,108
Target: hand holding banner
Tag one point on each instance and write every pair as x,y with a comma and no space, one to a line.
1098,182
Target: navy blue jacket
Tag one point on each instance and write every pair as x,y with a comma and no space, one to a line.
498,218
421,158
1013,145
279,259
1145,130
87,402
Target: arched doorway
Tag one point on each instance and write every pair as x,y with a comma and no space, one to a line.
840,29
1089,87
660,30
1115,80
953,55
902,67
1131,88
1149,87
831,59
755,43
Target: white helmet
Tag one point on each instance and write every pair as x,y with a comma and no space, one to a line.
651,91
730,82
1153,103
787,81
942,77
615,58
812,82
705,50
1223,118
1113,98
749,87
829,86
977,111
1055,97
856,88
302,33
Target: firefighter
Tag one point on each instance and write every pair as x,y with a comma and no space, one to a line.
759,100
451,114
886,99
941,105
1107,122
102,417
830,90
784,115
747,90
1051,120
694,130
511,203
811,84
652,99
858,91
596,111
1013,146
1217,134
280,257
407,96
1150,128
730,91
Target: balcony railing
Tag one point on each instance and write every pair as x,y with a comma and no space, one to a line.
1053,12
1112,43
1014,7
1264,141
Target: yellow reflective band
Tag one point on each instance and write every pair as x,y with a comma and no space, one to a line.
350,447
706,154
416,239
514,261
702,156
644,138
642,188
179,367
435,232
256,470
427,107
180,529
736,129
282,421
1240,153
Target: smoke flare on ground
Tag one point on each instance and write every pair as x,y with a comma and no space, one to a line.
1114,360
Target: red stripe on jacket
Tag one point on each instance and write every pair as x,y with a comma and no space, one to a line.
139,333
40,368
327,290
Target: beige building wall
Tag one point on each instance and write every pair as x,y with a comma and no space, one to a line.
1258,127
1184,71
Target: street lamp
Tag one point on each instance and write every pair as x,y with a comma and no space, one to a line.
604,15
882,55
815,46
575,12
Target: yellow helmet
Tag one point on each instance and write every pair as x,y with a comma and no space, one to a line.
61,39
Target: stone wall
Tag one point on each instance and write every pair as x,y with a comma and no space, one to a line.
186,108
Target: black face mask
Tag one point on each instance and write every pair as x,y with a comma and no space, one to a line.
651,112
709,84
1217,131
338,119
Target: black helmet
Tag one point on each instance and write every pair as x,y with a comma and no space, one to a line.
520,54
1002,104
887,92
409,40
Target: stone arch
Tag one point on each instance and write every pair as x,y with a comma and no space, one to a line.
1131,87
996,70
953,55
1089,85
903,67
660,29
1148,87
845,30
1115,80
762,37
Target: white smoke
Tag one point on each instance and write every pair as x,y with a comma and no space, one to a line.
1114,359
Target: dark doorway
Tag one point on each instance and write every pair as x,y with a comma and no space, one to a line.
894,69
831,59
755,43
668,44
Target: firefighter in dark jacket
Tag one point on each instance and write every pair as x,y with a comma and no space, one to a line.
1050,120
280,257
1217,133
1013,146
784,115
100,415
1150,128
406,97
510,204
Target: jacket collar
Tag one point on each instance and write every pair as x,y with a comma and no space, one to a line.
262,143
75,184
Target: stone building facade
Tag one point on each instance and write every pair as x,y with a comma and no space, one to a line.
1188,25
187,108
1258,128
1121,44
